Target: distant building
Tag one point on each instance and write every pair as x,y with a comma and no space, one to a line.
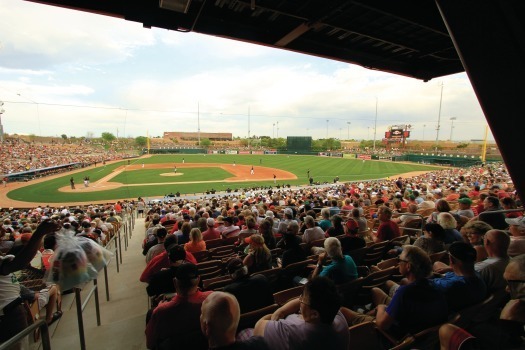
190,136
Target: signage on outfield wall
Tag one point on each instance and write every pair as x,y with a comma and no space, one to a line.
364,156
230,151
323,154
257,152
349,155
244,152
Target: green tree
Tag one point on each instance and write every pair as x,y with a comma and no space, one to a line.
205,143
108,137
141,141
64,136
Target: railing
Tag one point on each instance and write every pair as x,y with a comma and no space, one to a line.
80,308
44,333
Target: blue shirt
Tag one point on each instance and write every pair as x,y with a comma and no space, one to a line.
460,291
415,307
340,271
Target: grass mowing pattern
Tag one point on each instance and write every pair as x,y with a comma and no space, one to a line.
323,169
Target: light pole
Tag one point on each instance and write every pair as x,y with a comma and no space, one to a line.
439,118
277,129
375,128
348,136
2,111
327,129
452,126
424,125
368,134
273,130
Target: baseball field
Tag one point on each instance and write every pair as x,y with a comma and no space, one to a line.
156,176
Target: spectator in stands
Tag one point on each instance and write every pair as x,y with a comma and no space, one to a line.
292,251
196,243
320,324
251,224
449,224
184,236
266,230
230,230
496,220
462,287
387,229
155,250
492,268
179,316
442,206
162,260
432,239
473,233
411,307
288,217
325,222
14,317
517,238
220,314
337,228
252,291
334,209
312,231
464,209
211,232
508,203
428,203
341,269
161,282
259,257
402,220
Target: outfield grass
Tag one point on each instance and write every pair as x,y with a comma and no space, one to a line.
321,169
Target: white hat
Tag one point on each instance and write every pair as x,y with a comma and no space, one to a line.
269,213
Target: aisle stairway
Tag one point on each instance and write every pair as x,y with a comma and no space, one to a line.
122,317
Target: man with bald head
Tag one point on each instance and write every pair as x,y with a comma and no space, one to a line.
220,314
496,243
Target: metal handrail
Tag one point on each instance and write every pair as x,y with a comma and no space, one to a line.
44,333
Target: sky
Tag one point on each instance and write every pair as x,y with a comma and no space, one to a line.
68,72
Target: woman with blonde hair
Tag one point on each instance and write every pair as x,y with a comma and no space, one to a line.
259,257
196,243
449,224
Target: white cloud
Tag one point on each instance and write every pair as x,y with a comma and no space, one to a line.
157,78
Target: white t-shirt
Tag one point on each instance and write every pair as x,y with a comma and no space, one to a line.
9,286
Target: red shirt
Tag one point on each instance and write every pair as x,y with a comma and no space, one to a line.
211,233
159,262
179,316
387,230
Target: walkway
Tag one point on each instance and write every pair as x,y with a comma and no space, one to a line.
122,318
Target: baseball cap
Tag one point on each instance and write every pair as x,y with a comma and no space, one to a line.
516,221
269,213
463,252
465,200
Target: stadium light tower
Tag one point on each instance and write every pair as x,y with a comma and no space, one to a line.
424,126
452,126
348,136
2,111
327,129
439,118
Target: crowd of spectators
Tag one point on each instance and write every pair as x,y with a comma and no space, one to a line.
18,155
482,259
476,266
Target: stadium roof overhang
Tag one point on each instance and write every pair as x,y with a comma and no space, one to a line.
423,39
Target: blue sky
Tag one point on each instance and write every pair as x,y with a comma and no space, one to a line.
74,73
